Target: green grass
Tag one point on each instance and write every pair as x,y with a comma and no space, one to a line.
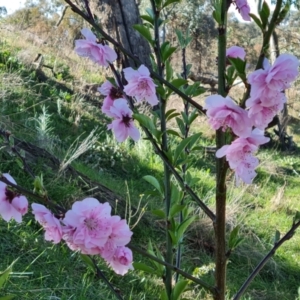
48,115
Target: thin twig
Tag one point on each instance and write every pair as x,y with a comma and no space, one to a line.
100,274
175,269
285,238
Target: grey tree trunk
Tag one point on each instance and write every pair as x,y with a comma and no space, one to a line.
117,17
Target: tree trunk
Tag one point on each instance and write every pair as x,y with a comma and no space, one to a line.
117,17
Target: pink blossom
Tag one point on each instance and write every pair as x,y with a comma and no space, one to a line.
240,154
12,205
120,236
51,225
283,72
140,85
112,93
224,112
236,52
262,115
98,53
274,78
121,261
88,225
244,9
123,125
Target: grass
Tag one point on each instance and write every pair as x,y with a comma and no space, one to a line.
46,114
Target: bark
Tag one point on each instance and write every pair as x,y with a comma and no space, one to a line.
117,18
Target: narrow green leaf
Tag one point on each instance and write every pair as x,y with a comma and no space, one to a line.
297,216
169,71
180,38
184,226
163,295
176,194
175,114
169,112
179,289
5,274
192,117
148,19
152,180
168,2
233,237
173,132
175,209
264,14
217,16
185,143
159,213
276,236
178,82
173,238
168,52
150,12
257,21
145,268
181,125
239,65
144,31
8,297
283,12
87,261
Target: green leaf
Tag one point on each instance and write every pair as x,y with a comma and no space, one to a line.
163,295
8,297
179,289
283,12
276,236
239,65
233,237
169,71
187,142
180,38
173,132
148,123
264,14
173,237
145,268
168,2
150,12
158,266
192,116
183,38
217,16
176,208
5,274
175,114
159,213
152,180
176,193
178,82
181,125
148,19
296,217
169,112
144,31
167,50
184,226
88,261
257,21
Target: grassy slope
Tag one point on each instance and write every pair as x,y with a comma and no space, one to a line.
45,271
